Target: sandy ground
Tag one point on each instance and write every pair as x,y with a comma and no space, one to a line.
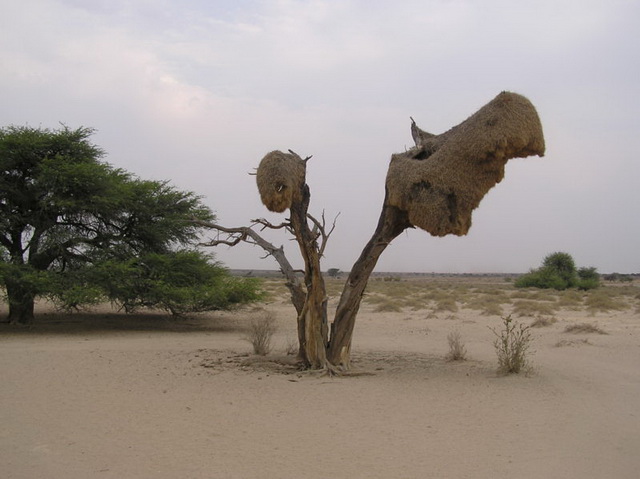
107,396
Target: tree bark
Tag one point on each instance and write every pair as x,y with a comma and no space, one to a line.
21,303
314,314
392,222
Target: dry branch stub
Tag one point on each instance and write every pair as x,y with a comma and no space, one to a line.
444,177
280,178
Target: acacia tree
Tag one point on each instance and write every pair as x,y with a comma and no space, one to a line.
63,213
434,186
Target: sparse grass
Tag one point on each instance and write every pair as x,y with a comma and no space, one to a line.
387,306
565,342
605,299
446,304
487,305
457,349
543,321
535,294
534,308
512,347
587,328
570,299
261,331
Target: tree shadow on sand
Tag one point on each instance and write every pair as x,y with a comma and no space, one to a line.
106,320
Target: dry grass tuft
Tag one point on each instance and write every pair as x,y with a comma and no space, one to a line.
584,328
603,300
541,322
512,347
261,331
387,306
457,349
533,308
565,342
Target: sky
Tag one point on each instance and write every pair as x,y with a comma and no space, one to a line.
197,92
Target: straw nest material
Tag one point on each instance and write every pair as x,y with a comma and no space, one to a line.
280,179
442,179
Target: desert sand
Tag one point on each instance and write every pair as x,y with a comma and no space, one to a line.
106,395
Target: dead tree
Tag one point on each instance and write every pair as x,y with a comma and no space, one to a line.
434,186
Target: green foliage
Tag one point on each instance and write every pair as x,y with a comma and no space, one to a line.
180,282
64,214
544,278
588,278
558,271
561,264
512,347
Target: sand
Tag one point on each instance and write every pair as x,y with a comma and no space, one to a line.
107,396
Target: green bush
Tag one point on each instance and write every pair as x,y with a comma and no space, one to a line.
544,278
179,282
588,278
558,271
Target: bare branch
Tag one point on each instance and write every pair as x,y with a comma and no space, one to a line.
320,230
266,224
250,236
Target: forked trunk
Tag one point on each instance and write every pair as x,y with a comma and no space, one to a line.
392,222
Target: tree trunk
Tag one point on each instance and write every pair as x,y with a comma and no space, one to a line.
313,319
21,303
392,222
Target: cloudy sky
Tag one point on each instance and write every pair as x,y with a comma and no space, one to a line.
197,91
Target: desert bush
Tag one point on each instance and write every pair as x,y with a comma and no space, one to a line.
544,278
584,328
588,278
512,347
457,349
558,271
261,331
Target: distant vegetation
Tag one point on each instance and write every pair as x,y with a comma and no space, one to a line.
558,271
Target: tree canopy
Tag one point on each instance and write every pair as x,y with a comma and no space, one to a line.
63,210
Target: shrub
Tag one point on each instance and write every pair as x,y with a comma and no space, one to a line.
558,271
457,349
261,331
588,278
563,265
584,328
544,278
512,347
